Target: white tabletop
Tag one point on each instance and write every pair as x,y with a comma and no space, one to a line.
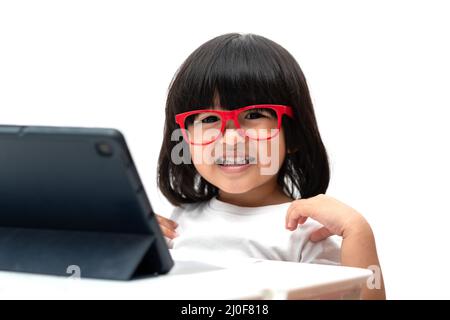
189,279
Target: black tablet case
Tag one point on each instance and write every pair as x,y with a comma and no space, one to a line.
72,198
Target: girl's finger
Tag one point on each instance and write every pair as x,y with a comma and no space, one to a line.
293,223
167,222
169,233
298,212
291,208
302,220
304,204
320,234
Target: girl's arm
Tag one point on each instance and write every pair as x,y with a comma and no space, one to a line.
359,250
358,244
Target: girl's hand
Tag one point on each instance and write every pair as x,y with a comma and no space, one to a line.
167,226
336,217
358,244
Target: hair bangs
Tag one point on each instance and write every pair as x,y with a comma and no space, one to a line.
231,74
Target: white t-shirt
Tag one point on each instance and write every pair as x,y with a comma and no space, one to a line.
218,228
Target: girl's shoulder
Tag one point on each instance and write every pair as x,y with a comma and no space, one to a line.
188,209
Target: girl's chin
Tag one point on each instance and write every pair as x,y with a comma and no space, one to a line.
236,185
236,190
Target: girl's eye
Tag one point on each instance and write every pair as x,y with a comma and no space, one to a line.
258,113
209,119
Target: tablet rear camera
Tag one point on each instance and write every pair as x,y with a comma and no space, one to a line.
104,149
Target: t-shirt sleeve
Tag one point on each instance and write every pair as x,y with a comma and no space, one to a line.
327,251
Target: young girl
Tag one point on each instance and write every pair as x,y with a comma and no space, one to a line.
243,161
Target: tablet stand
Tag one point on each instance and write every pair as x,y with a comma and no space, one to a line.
85,254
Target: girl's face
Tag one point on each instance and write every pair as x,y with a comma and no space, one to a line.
237,164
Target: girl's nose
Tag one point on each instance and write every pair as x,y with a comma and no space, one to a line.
232,135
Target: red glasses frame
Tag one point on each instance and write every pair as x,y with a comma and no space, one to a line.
233,115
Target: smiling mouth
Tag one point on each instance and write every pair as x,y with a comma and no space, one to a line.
239,161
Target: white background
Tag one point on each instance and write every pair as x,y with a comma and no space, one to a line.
379,74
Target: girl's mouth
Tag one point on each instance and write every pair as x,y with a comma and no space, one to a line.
234,165
238,161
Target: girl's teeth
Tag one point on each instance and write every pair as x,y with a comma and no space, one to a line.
238,162
228,162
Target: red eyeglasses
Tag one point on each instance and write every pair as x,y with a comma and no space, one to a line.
259,122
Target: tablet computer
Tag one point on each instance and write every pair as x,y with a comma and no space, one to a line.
71,200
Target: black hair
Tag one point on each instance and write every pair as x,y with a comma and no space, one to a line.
244,69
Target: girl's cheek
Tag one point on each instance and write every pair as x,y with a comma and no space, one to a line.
203,160
202,155
271,154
